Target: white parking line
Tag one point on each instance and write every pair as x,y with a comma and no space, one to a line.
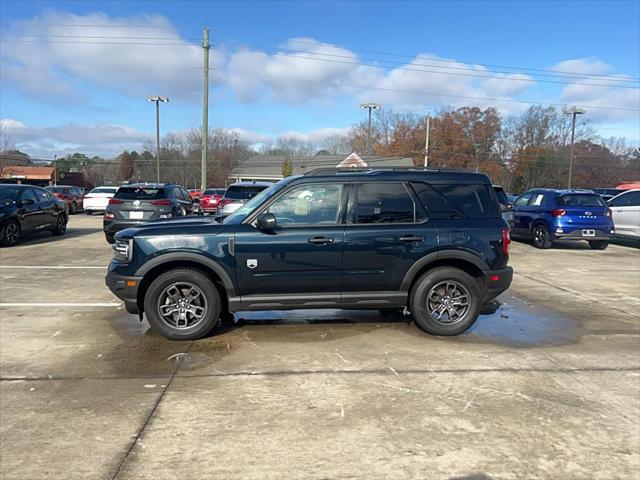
112,304
59,267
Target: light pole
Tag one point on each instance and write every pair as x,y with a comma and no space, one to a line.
55,170
157,101
369,106
574,112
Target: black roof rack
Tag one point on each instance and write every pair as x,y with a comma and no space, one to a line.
347,170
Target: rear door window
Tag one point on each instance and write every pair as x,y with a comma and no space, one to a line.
537,199
631,199
523,200
42,195
139,193
28,194
243,192
384,203
474,201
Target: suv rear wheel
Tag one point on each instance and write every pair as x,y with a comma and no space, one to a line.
598,244
541,237
446,301
182,304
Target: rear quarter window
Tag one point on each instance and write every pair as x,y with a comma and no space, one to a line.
473,201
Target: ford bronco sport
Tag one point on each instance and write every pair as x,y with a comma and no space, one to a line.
433,242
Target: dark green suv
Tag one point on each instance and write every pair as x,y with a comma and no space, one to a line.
433,242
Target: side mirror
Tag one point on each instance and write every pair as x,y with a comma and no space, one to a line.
267,221
27,201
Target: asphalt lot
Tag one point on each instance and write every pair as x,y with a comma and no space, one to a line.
547,387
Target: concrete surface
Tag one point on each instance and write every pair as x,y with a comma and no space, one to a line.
548,387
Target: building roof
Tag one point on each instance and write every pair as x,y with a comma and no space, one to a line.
28,173
270,166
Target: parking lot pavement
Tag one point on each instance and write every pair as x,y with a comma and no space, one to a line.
547,387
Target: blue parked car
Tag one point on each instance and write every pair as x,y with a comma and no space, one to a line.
546,215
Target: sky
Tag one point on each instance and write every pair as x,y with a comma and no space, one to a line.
74,76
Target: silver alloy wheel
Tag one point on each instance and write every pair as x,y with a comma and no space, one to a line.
11,233
448,302
182,305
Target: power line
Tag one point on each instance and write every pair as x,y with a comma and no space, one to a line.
449,61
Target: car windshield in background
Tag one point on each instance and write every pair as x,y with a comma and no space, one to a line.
56,189
103,190
581,200
502,197
214,191
8,193
139,193
242,192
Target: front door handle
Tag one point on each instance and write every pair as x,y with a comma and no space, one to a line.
411,238
320,240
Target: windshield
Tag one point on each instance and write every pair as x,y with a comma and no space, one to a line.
243,192
103,190
581,200
241,213
56,189
214,191
8,193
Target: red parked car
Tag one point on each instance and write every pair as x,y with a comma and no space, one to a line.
195,193
210,199
72,195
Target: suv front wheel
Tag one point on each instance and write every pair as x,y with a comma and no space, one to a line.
446,301
182,304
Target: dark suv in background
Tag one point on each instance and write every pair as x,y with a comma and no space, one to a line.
139,203
431,241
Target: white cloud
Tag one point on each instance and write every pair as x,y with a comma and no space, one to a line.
41,57
101,139
590,90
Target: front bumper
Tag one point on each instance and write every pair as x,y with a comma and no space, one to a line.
498,281
126,289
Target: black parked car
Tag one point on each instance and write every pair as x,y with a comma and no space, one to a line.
139,203
25,209
431,241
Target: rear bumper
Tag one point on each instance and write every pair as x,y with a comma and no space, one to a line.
576,234
126,289
113,226
498,281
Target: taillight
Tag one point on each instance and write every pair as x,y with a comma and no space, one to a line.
115,201
608,212
164,203
506,241
109,216
558,212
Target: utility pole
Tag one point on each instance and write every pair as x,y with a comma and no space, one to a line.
157,101
574,112
205,109
369,106
55,170
426,145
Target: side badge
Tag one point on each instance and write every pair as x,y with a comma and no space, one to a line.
252,263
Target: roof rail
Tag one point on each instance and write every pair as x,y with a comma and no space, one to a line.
347,170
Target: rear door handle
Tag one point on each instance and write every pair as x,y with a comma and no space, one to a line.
411,238
320,240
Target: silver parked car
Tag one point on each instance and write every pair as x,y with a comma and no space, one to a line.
238,194
625,211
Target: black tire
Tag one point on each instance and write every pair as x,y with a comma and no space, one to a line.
11,234
208,300
73,209
431,283
109,238
598,244
541,237
61,225
88,212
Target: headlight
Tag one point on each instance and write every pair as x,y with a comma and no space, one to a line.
122,250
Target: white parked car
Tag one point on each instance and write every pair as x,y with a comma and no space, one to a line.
625,210
98,199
